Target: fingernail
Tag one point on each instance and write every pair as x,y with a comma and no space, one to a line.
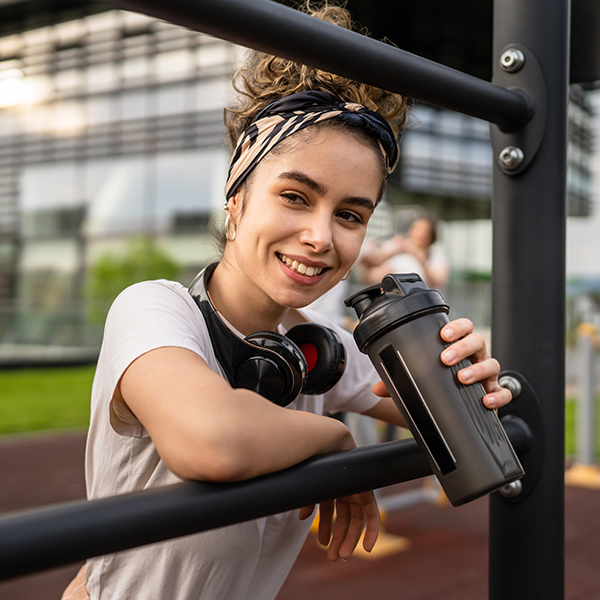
491,402
449,355
344,560
449,333
466,375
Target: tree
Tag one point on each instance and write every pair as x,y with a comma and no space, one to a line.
112,273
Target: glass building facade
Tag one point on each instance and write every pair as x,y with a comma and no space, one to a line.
446,161
111,126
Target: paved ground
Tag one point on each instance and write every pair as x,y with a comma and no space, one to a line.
446,558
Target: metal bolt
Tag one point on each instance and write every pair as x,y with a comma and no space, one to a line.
511,383
511,490
512,60
511,157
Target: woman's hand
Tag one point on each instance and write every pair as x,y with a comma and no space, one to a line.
342,521
351,514
466,344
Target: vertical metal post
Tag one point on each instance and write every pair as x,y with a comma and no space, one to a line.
586,406
528,307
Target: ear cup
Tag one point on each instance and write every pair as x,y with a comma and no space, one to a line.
278,375
324,353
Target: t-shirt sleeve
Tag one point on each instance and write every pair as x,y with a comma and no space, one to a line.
144,317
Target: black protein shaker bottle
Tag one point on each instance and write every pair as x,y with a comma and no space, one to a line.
399,329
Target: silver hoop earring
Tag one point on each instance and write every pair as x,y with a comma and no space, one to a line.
347,275
230,238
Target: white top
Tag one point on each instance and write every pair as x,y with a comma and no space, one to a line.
404,262
248,561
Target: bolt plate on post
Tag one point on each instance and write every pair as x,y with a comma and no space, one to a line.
530,81
526,407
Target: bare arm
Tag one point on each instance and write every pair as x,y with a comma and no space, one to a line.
204,429
375,254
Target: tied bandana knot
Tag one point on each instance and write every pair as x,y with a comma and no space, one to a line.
289,115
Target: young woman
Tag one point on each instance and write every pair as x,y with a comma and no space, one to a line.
309,166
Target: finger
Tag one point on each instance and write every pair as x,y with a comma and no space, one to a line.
325,522
340,529
472,346
498,398
306,511
369,514
485,371
454,330
373,521
380,390
355,528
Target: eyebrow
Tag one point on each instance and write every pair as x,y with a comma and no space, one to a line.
319,188
360,201
305,179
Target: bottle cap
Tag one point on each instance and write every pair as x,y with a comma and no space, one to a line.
398,299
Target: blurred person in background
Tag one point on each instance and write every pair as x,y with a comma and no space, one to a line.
414,253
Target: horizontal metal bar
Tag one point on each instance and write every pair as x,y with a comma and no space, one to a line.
74,531
277,29
71,532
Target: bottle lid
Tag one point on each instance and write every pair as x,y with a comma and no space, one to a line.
398,299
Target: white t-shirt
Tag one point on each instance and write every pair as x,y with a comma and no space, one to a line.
248,561
404,262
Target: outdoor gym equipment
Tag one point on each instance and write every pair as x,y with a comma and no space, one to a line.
526,105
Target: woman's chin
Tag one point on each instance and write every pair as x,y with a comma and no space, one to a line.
296,300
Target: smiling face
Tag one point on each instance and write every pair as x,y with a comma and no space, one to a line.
302,218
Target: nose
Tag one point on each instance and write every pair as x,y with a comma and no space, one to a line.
317,232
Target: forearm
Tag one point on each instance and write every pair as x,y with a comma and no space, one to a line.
204,429
252,437
387,411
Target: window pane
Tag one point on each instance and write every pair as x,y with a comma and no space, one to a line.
119,198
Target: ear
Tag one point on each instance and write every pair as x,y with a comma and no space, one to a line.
233,206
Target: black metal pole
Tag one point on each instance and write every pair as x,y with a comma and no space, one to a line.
74,531
283,31
527,534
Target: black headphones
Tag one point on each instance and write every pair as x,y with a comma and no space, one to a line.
310,358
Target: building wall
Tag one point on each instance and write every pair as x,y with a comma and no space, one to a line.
110,126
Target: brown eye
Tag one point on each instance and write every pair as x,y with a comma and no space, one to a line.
293,198
349,216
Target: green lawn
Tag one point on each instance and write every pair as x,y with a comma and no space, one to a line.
571,424
59,398
42,399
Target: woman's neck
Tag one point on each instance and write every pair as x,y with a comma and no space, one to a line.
241,303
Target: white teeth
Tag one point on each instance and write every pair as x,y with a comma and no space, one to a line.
299,267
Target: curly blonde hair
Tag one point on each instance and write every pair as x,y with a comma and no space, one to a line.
265,78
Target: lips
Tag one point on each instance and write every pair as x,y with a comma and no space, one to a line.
300,267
